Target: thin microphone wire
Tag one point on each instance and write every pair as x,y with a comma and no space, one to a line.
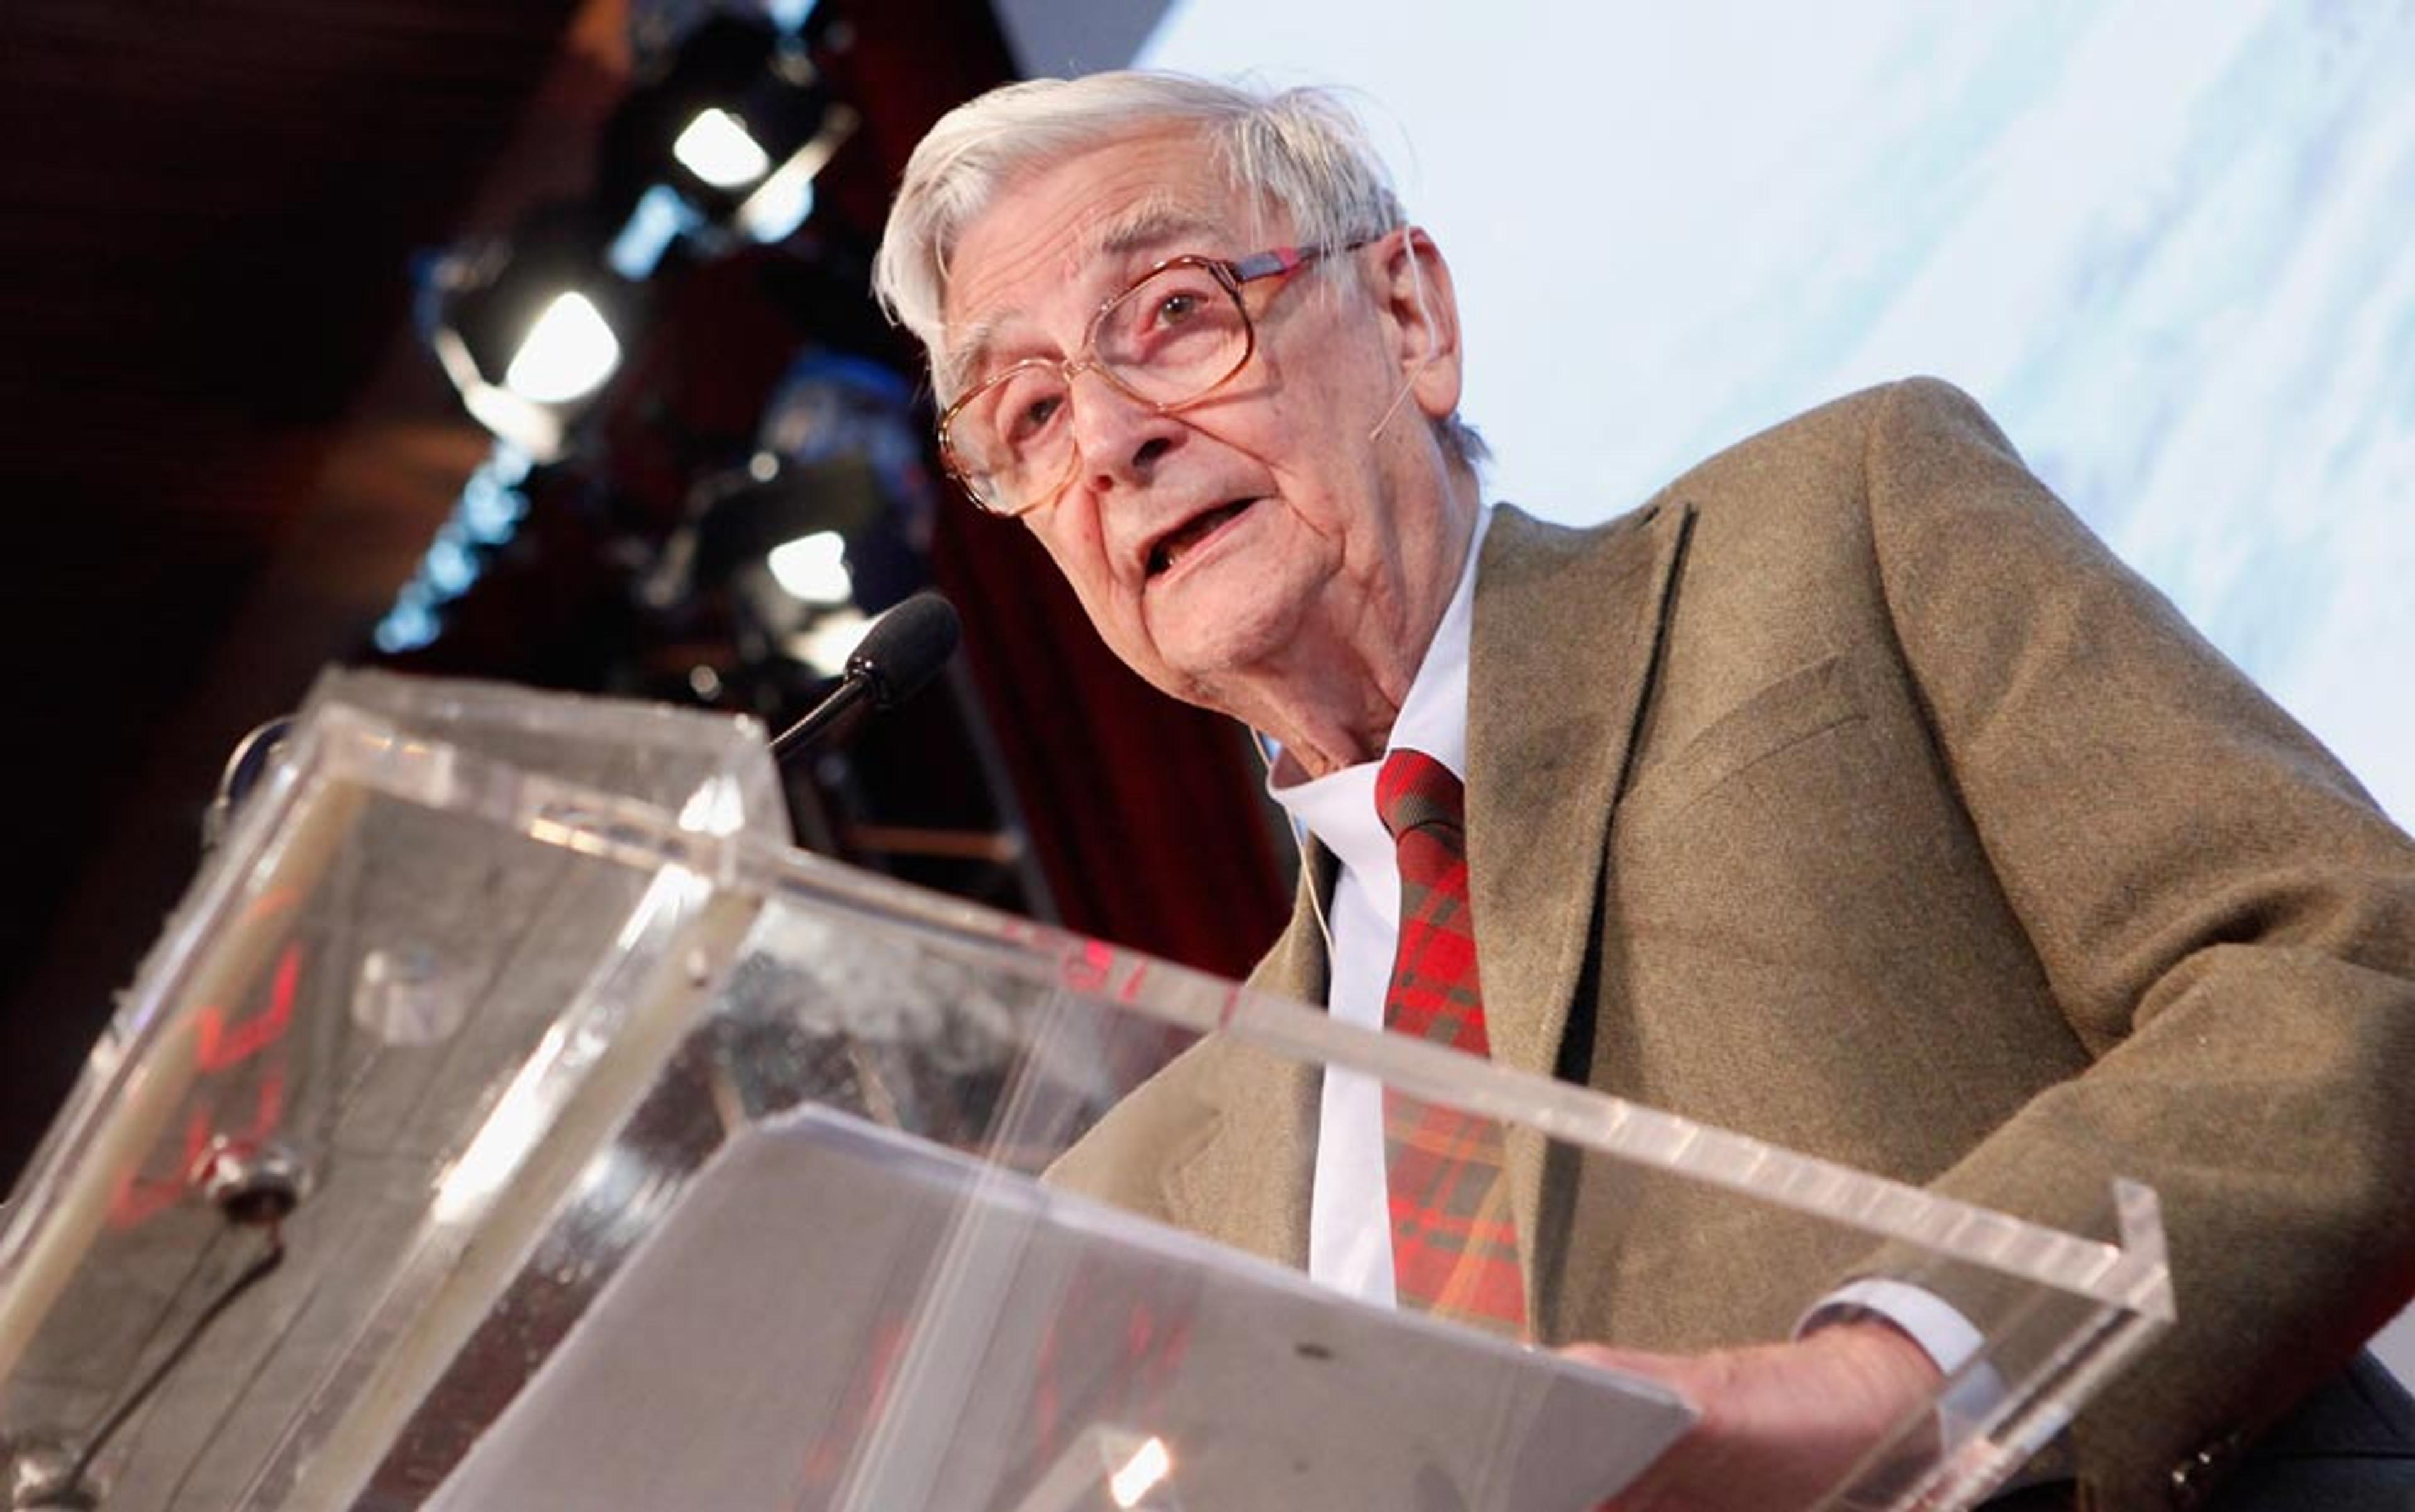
269,1260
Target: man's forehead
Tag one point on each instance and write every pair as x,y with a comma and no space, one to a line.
1083,222
1109,194
1152,225
1099,244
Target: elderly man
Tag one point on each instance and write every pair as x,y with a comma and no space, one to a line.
1847,793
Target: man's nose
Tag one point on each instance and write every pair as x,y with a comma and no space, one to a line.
1122,439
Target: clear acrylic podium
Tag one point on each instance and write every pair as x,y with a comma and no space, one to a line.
615,1154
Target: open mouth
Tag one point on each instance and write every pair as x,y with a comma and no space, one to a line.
1171,547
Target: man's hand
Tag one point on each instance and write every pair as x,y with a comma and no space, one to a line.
1780,1423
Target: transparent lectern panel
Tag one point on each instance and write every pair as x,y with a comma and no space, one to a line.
1630,1227
638,1160
371,1010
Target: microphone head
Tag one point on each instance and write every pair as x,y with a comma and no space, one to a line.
906,647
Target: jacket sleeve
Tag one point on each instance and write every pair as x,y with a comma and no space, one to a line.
2226,918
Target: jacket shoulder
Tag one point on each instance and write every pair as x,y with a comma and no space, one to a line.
1892,425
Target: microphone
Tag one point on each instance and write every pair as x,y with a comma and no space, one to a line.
903,651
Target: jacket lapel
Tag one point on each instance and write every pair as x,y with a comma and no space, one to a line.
1567,635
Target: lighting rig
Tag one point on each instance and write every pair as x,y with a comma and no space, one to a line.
713,150
721,568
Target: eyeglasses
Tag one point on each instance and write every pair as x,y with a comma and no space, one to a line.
1177,334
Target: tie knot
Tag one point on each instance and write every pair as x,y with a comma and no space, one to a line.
1413,790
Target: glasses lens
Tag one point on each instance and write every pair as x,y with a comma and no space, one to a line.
1013,438
1169,338
1176,334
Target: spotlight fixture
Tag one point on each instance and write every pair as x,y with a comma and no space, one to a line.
532,327
802,551
827,523
725,141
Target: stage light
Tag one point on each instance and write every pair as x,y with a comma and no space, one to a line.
786,555
716,149
777,538
531,327
813,568
568,352
736,123
799,552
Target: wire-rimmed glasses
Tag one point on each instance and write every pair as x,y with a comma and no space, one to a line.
1178,333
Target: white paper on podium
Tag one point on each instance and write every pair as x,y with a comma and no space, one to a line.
836,1316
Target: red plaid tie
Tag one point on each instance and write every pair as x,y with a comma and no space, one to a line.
1454,1243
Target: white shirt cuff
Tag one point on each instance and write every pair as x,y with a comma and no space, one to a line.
1943,1334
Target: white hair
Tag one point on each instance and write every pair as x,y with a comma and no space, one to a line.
1298,150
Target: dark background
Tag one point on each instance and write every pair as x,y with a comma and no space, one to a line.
222,451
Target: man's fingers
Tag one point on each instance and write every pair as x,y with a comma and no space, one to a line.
1780,1424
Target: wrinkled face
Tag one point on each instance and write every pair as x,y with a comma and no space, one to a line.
1222,546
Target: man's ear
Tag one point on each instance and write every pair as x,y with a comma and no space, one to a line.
1422,315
